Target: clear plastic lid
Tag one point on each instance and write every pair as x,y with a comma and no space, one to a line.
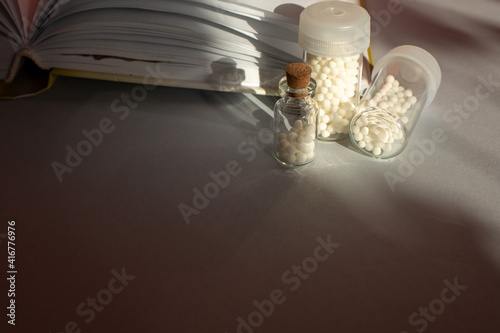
334,29
419,63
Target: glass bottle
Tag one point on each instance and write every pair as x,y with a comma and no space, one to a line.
334,35
295,117
404,83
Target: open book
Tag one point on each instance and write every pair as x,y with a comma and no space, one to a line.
208,44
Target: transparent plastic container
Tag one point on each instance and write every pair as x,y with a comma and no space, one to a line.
295,119
404,83
334,35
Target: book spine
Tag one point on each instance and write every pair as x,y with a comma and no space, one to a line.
18,61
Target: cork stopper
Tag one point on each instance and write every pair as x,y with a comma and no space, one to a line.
298,75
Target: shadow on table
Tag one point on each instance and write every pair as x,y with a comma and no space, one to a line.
252,115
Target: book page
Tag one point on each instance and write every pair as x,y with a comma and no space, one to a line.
12,37
230,14
28,9
152,35
12,18
290,9
221,42
202,26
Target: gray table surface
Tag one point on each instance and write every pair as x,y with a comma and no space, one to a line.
345,244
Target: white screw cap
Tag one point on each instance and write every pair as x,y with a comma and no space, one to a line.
334,29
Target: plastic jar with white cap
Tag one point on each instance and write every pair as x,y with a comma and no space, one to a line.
334,35
404,83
